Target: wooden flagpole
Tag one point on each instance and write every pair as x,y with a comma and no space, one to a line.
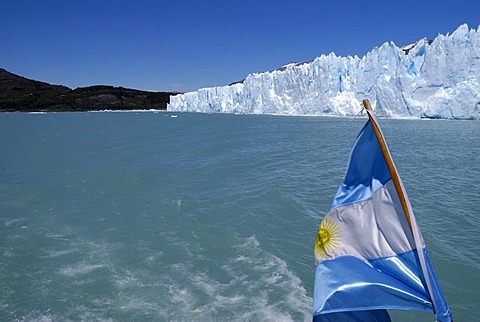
389,161
401,194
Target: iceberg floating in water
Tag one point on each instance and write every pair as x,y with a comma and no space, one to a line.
428,79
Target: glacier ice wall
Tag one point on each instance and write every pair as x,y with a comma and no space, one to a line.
431,80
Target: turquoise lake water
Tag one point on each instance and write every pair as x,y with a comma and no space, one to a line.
149,217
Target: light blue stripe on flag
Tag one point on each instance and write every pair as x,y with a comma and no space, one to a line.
367,171
351,284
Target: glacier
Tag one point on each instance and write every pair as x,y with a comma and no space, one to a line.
428,79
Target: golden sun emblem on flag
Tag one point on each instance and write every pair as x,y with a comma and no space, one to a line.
328,238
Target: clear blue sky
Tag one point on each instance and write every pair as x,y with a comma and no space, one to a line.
184,45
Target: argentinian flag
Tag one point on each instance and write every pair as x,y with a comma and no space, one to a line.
369,251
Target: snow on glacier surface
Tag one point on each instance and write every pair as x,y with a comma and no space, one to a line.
438,79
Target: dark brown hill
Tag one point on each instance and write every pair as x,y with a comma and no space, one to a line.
18,93
12,85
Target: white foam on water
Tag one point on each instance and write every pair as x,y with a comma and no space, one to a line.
127,280
153,259
249,285
87,314
56,236
286,293
79,313
9,253
11,222
90,256
182,296
79,269
58,253
40,317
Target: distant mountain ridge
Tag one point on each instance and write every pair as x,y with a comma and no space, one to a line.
20,94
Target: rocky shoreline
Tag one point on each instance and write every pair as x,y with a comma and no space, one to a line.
20,94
